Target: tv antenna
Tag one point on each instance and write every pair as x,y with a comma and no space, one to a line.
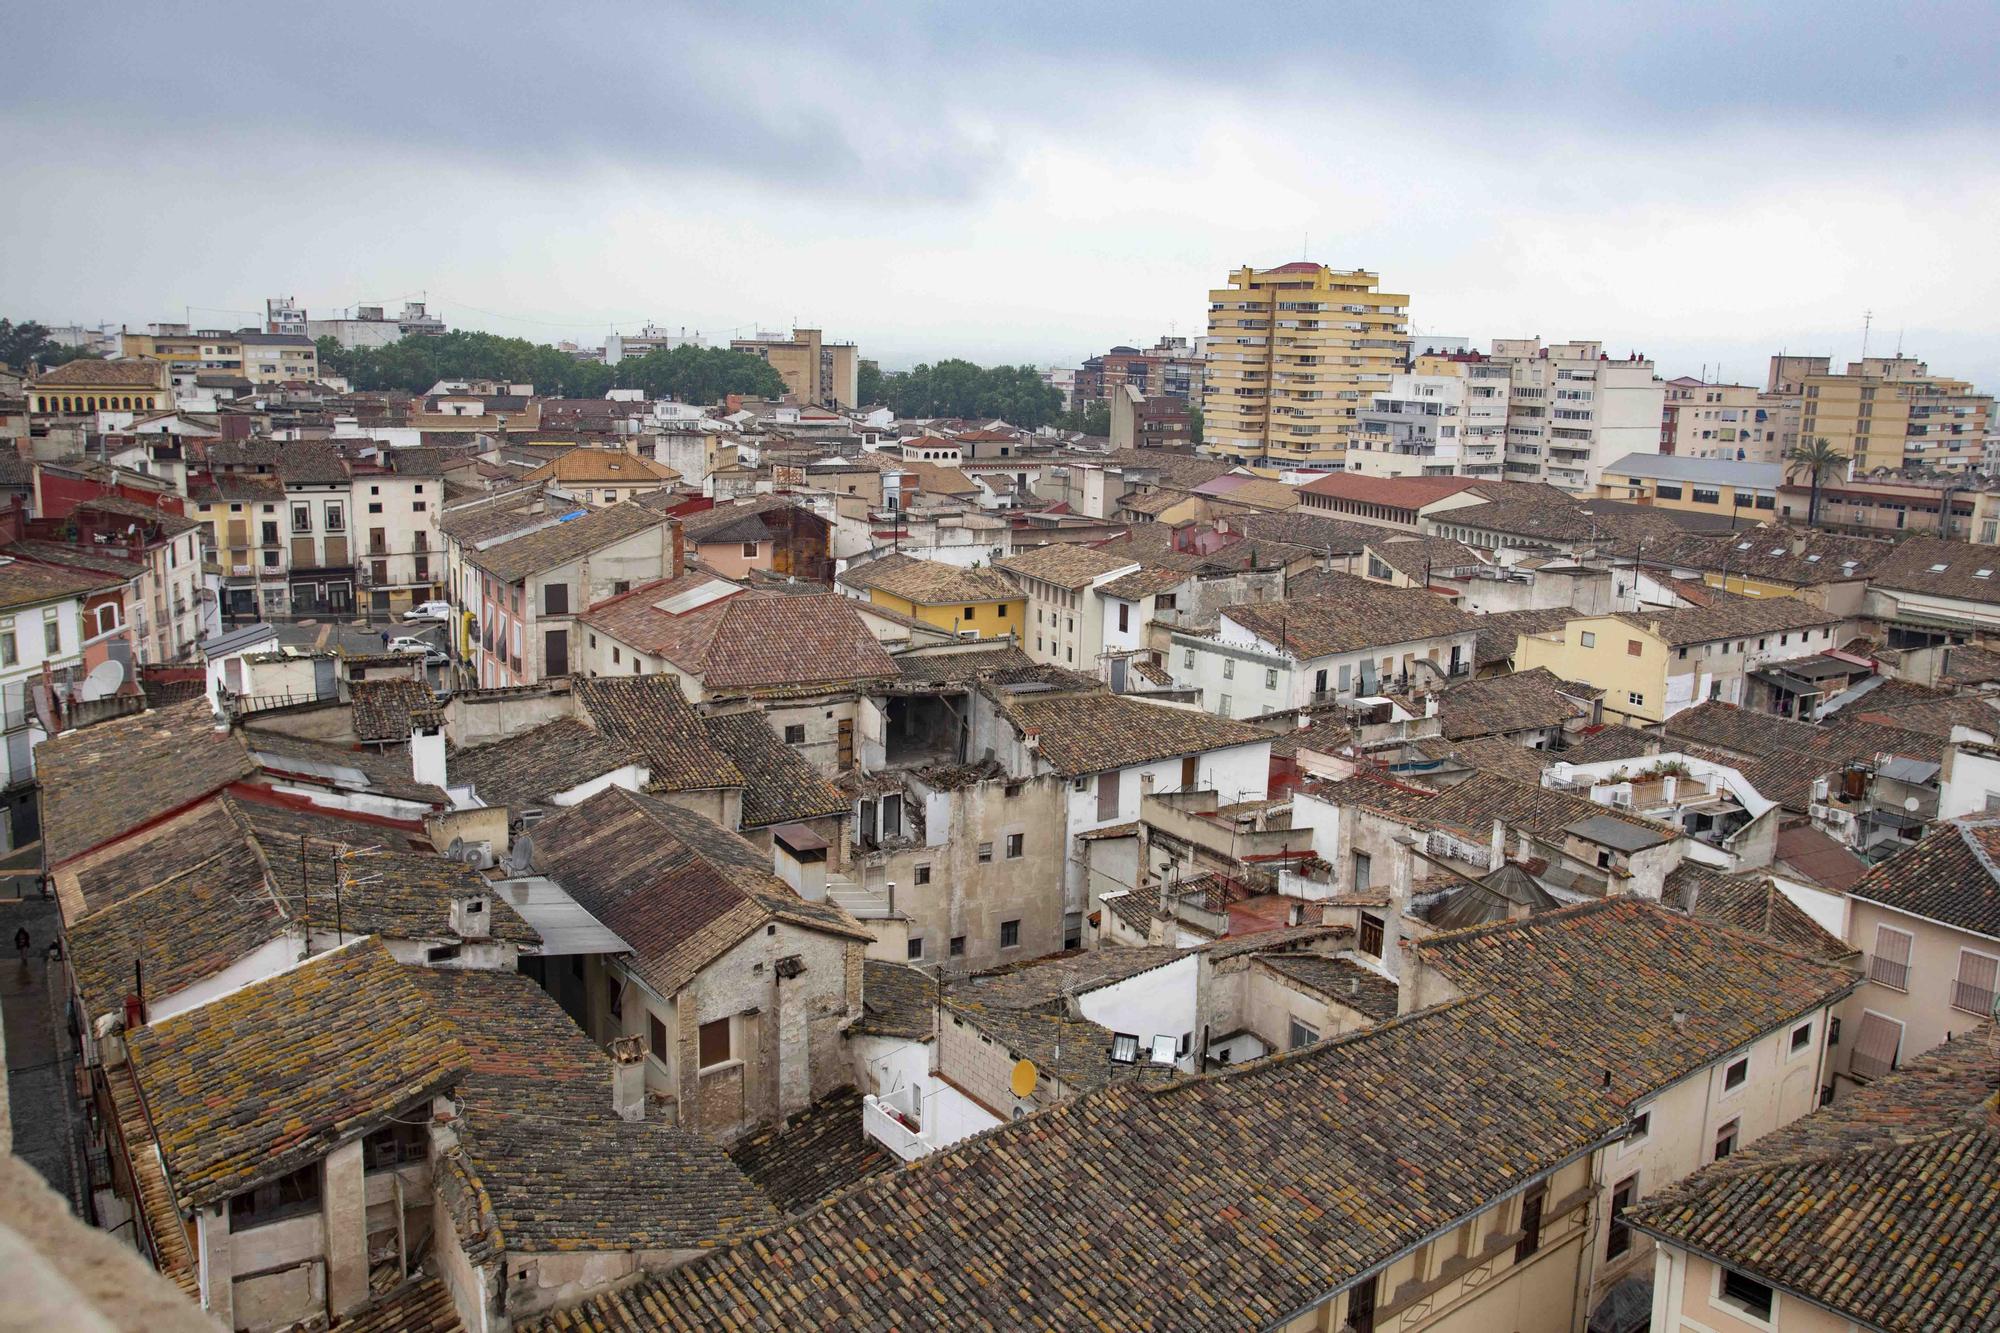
1867,318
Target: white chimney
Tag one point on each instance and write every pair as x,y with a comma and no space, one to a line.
427,758
1497,847
471,916
628,1078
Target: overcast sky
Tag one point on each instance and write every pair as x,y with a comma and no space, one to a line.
1023,181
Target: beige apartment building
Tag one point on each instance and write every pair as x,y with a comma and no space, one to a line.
1734,422
1294,352
817,372
1891,412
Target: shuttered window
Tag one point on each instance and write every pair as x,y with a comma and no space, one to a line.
1875,1048
1972,990
1891,964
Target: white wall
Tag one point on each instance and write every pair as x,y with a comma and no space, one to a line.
1162,1002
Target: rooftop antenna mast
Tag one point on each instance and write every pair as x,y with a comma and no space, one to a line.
1867,319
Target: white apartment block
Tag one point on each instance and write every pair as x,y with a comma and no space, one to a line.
1573,410
1435,425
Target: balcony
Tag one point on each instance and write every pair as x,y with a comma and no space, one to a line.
1889,972
1972,999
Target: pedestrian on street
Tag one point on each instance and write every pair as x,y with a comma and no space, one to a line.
385,641
21,943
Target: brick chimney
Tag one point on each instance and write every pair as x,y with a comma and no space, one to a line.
628,1078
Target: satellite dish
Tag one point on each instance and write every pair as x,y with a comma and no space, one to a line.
522,858
1024,1078
455,852
103,680
1910,803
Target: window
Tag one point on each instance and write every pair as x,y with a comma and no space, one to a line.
1618,1240
1801,1038
1667,491
555,599
614,995
336,516
374,506
1361,1304
1876,1047
1016,844
1301,1034
1725,1139
51,632
619,587
1736,1075
1224,706
915,949
1187,658
1588,639
1704,496
985,853
924,873
294,1195
107,618
714,1043
1740,1292
10,652
1891,964
1010,934
1270,678
1371,935
1635,698
957,946
1632,648
395,1144
1124,616
1972,990
795,734
1229,668
656,1037
1531,1223
749,550
302,518
1641,1126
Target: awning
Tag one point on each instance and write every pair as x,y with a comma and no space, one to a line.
565,927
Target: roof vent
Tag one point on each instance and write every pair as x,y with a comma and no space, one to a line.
1680,1015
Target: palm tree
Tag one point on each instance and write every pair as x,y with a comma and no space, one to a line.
1820,460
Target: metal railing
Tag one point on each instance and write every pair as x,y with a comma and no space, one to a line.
1889,972
1972,999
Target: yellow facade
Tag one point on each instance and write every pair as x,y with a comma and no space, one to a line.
1293,351
817,373
1751,504
987,619
1628,663
1891,412
209,350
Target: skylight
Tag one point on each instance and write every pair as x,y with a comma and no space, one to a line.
1743,546
1777,550
1982,573
1939,569
1812,559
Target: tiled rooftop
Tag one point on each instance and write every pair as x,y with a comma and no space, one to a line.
930,582
1088,733
1349,614
650,717
1952,876
822,1150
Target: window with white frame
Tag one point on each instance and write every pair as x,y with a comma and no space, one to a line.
1890,965
1973,988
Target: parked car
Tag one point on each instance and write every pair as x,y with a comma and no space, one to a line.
433,655
430,611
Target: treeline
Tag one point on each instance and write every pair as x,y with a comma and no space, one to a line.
700,375
28,344
956,388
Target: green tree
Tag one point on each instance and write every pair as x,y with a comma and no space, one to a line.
1195,422
24,344
955,387
1820,461
868,384
1090,418
701,375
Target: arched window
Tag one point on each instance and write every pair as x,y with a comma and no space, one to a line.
107,617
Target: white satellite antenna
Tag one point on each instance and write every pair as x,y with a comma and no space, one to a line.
521,858
455,852
103,680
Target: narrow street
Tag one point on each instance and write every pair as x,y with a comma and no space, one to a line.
39,1088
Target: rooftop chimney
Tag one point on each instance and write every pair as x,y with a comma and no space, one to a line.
1497,845
427,756
471,916
628,1078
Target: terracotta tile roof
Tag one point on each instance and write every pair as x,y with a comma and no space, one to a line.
1339,979
1043,982
1878,1208
930,582
1088,733
23,584
559,543
93,371
1741,730
545,1164
603,467
1935,717
529,767
1395,492
1970,664
1801,557
1065,564
1729,618
163,1220
1183,470
1326,734
421,1305
1498,631
1496,705
741,521
896,1001
382,707
1493,754
1752,903
1420,557
1913,566
1609,742
1255,1152
1952,876
400,889
384,772
101,782
649,716
1151,504
1144,582
168,524
675,887
779,785
961,665
1347,614
750,642
1598,983
1319,533
822,1150
266,1079
96,559
1805,851
312,463
1473,805
115,872
181,930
